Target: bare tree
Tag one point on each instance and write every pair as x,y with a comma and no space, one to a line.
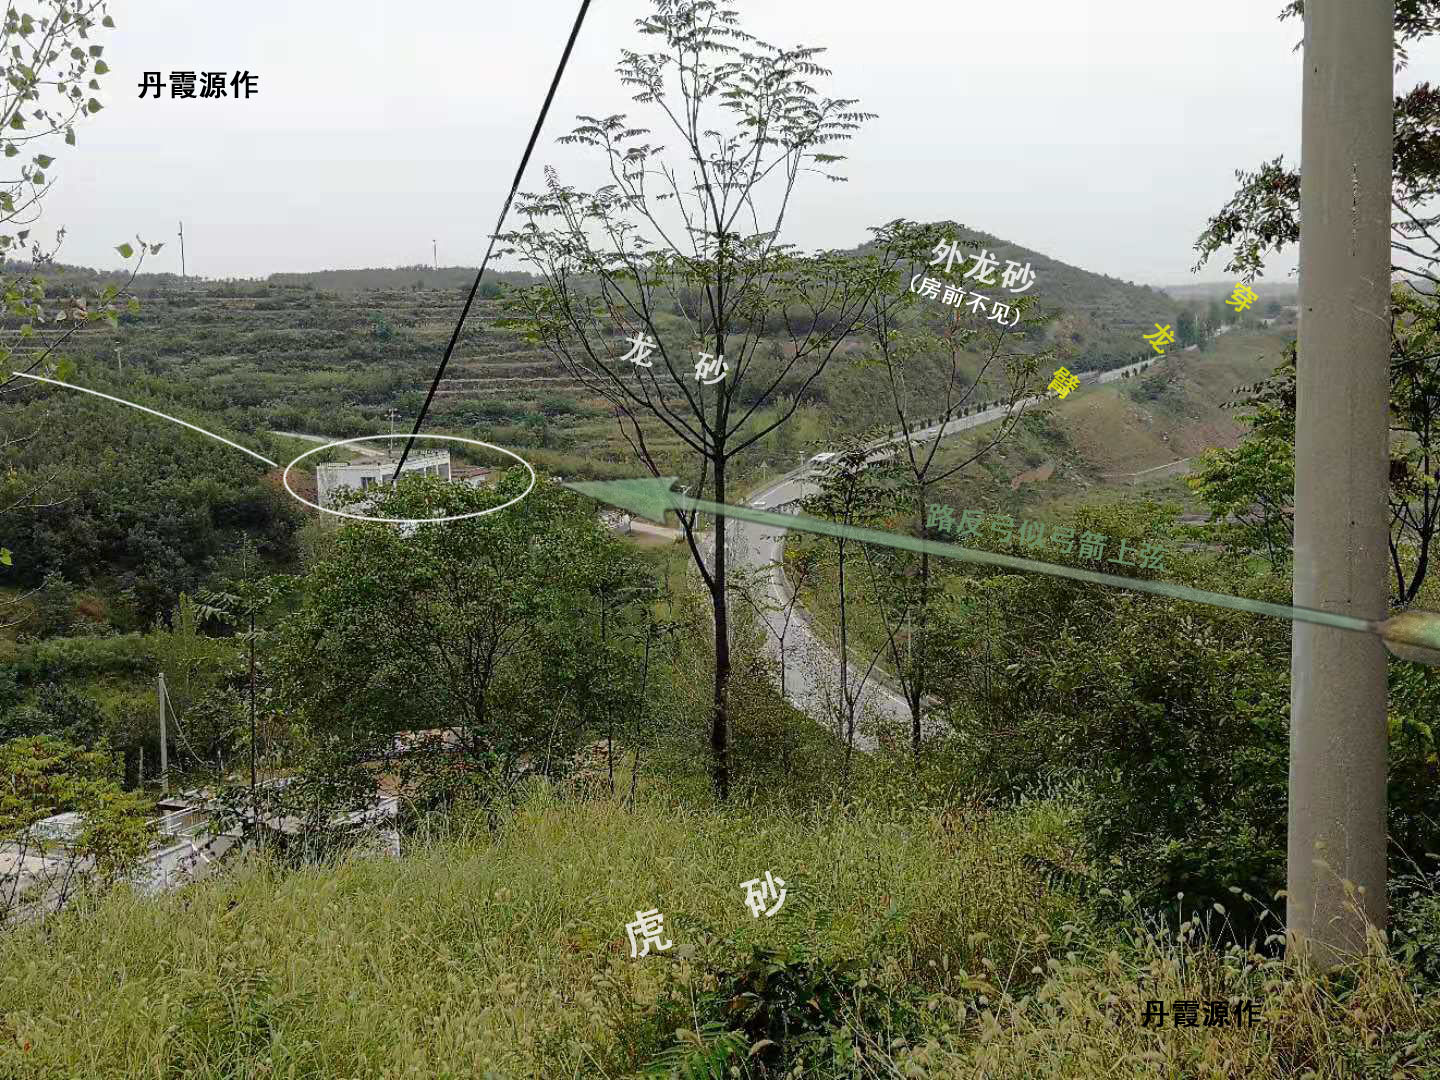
914,362
682,253
851,494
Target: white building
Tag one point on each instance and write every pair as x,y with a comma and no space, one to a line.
362,475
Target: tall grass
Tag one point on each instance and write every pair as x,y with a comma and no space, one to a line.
1085,1020
501,954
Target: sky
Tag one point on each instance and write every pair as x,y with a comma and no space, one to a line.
1100,132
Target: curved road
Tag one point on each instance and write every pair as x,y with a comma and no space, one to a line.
812,670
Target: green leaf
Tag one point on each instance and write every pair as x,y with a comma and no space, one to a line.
65,368
155,248
97,50
37,177
125,250
108,21
70,136
93,105
5,557
10,150
17,122
43,160
101,68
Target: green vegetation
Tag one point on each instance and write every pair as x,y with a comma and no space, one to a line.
1084,809
496,954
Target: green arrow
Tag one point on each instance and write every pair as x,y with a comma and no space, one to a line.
1412,635
648,496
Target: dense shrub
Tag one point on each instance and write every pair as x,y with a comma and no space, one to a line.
59,711
1171,717
81,656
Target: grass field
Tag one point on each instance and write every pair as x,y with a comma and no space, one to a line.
504,955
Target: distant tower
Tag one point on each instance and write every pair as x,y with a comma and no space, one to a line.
435,253
182,250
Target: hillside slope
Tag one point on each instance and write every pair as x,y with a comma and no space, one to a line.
334,352
1122,440
908,944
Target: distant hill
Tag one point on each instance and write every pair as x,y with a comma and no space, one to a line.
333,352
419,276
1100,320
335,281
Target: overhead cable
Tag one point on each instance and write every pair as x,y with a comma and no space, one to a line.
504,210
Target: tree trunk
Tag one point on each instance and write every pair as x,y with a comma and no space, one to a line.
848,716
720,722
782,663
917,666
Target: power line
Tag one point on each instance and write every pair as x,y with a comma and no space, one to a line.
179,731
514,187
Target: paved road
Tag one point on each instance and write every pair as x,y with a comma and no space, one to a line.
322,439
812,671
1181,466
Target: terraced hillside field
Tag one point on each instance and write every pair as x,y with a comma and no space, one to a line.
340,352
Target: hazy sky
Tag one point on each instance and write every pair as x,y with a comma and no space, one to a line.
1101,132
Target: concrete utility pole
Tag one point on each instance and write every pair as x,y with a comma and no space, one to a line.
164,748
1337,699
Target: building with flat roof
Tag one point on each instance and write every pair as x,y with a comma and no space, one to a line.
330,478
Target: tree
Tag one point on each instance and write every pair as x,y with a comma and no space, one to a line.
914,360
57,710
624,595
802,563
52,608
45,776
49,72
1263,217
239,605
1186,327
1254,483
470,640
1250,489
1217,316
851,492
196,667
685,234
